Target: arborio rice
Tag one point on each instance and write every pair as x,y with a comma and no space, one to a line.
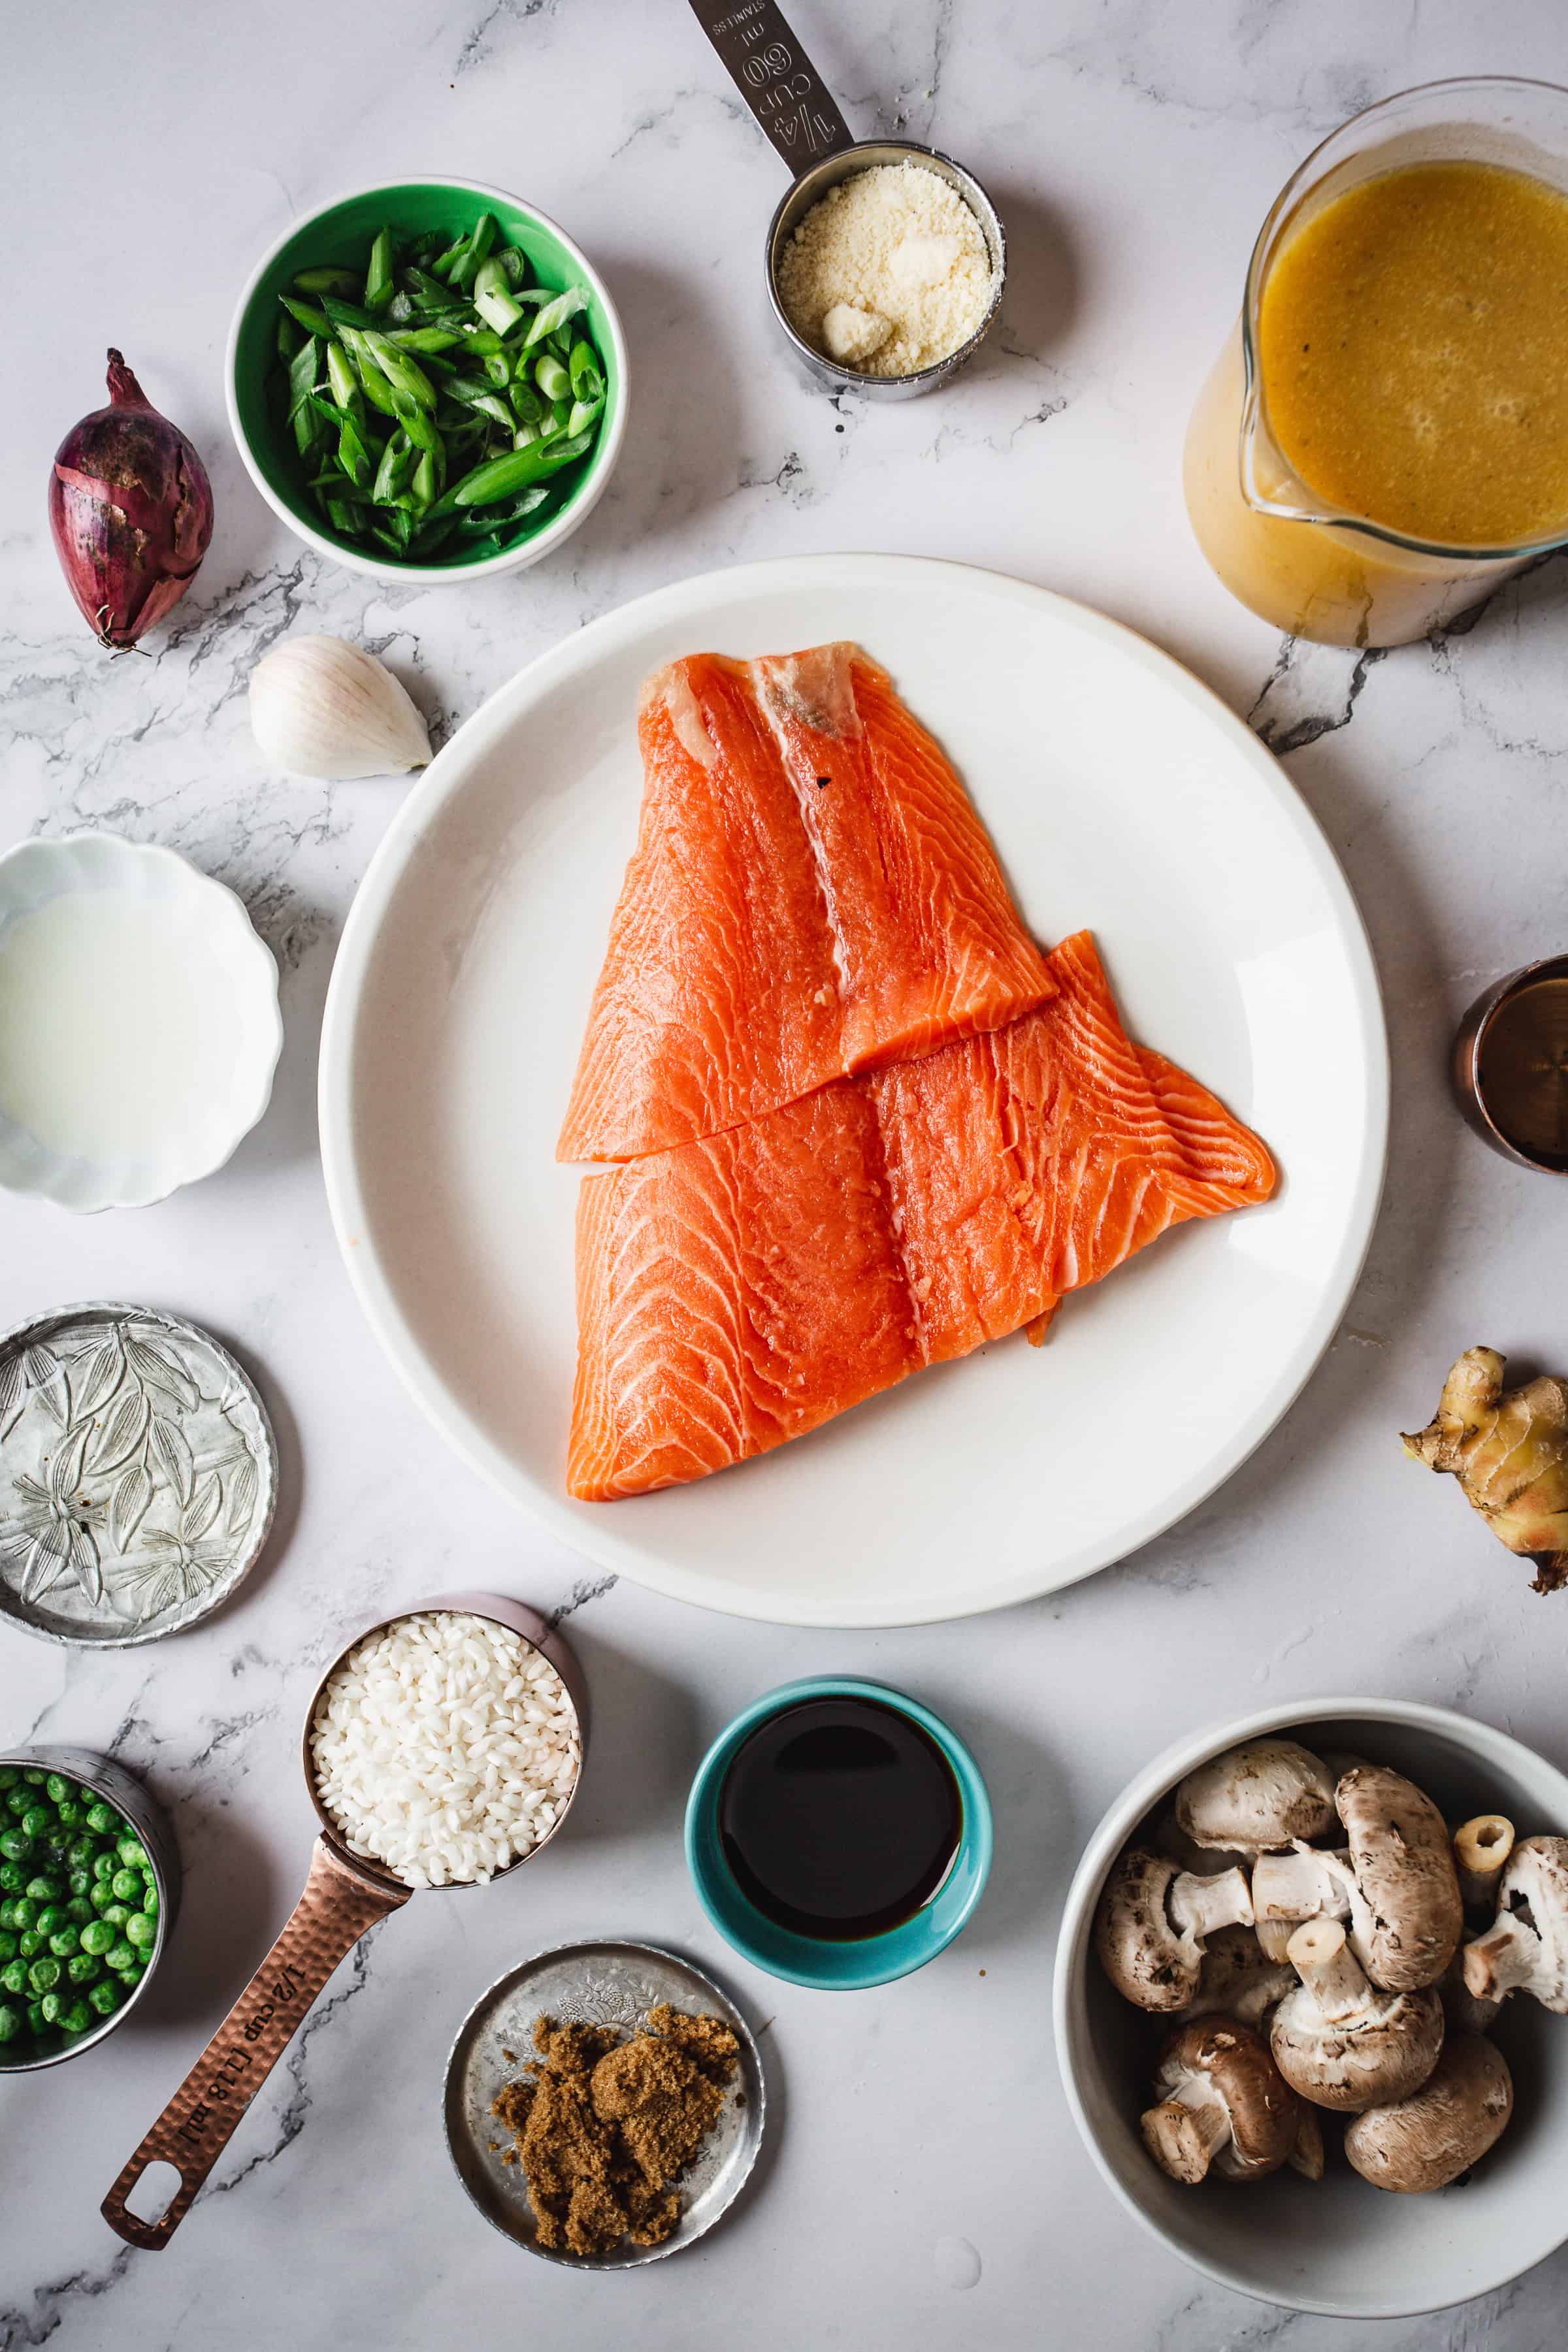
444,1746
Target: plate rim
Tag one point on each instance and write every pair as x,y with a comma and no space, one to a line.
751,2068
595,1537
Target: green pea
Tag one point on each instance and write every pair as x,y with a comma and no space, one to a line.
16,1844
14,1976
127,1885
102,1895
102,1818
38,1821
122,1956
50,1916
142,1931
13,1877
104,1865
77,2017
117,1914
55,1787
54,2006
78,1910
150,1901
34,1779
97,1938
29,1943
13,2023
65,1941
25,1910
37,2022
82,1969
83,1849
105,1997
9,1775
17,1800
79,1885
9,1913
7,1946
69,1813
43,1974
46,1887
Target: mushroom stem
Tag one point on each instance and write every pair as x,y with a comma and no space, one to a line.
1329,1968
1505,1957
1306,1884
1202,1906
1481,1849
1185,2135
1306,2157
1275,1935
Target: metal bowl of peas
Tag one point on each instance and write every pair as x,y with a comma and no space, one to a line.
90,1882
427,381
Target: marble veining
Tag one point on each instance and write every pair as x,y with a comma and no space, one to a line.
1132,148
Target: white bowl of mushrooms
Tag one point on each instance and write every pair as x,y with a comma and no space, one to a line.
1311,2005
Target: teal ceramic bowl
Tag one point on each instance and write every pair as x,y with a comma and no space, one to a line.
803,1959
341,232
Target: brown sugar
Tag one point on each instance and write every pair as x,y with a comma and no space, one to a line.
604,2126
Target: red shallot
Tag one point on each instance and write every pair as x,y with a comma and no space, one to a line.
131,511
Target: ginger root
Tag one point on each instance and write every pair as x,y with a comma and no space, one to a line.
1509,1451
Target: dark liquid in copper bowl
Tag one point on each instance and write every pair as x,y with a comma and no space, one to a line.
1523,1070
839,1818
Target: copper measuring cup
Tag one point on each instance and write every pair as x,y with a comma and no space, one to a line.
785,95
344,1895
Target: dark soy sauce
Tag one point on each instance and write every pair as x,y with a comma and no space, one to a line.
1523,1070
839,1818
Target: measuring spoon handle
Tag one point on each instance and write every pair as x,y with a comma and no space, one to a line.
339,1903
776,77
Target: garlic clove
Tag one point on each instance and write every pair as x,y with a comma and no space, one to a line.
321,707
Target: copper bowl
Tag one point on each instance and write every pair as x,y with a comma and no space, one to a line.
1469,1045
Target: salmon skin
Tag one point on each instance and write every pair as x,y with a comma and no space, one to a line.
811,895
738,1292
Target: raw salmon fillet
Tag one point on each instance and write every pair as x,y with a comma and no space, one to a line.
739,1291
811,895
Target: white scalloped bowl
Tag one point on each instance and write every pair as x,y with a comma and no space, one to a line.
208,1125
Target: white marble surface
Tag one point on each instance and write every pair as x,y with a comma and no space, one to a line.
1133,146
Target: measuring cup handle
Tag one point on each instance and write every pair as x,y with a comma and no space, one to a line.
776,77
339,1903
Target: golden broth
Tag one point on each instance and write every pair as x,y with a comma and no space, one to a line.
1414,352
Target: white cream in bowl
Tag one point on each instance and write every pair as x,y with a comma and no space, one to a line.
138,1022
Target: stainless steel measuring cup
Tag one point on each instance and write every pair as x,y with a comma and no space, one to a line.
785,93
344,1895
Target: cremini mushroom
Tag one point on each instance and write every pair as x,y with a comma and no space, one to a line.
1237,1977
1526,1950
1395,1882
1406,1917
1223,2106
1481,1848
1154,1922
1426,2140
1338,2039
1264,1793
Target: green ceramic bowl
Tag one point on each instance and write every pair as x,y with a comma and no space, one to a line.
341,232
802,1960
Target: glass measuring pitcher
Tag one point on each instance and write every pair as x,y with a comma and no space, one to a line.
1298,559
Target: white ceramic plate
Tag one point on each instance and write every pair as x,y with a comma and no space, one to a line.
1121,794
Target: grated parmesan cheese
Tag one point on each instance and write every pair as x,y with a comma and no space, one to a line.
889,273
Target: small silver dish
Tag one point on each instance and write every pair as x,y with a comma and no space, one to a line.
785,95
600,1983
120,1788
1477,1099
138,1476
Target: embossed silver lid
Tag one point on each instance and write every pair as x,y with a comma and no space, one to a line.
138,1475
